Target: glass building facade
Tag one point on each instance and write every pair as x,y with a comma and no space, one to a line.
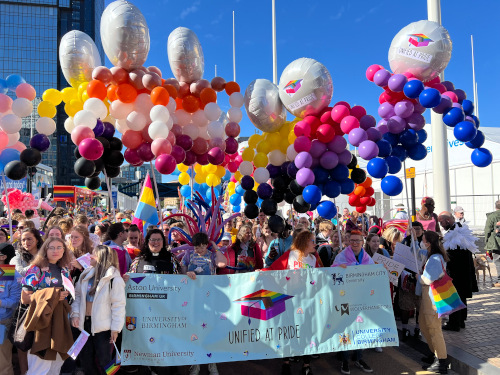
128,172
30,31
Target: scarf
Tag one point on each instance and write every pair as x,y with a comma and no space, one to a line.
348,258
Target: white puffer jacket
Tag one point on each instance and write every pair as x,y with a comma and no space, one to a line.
108,308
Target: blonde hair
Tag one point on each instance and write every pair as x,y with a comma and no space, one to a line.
87,246
41,259
66,225
392,235
325,225
106,258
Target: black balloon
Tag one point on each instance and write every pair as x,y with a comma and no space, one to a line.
251,211
16,170
111,171
278,196
77,153
113,158
300,205
276,224
250,197
31,157
289,196
96,174
295,187
84,167
93,183
105,143
353,163
280,183
269,207
358,175
115,144
99,165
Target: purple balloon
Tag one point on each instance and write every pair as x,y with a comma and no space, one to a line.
381,78
356,136
317,148
374,134
274,171
444,106
305,176
386,110
337,144
201,159
303,160
264,191
41,142
367,121
404,108
461,95
418,108
231,146
99,128
345,157
416,122
109,130
397,82
179,154
144,151
184,141
449,85
216,156
292,170
368,150
131,156
329,160
247,182
190,158
396,124
382,126
315,163
470,119
457,105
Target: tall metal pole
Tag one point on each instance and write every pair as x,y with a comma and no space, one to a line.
440,164
234,52
215,70
275,56
157,201
474,87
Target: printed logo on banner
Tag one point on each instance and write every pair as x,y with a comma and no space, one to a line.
127,353
293,86
419,40
263,304
337,279
344,339
137,280
131,323
344,309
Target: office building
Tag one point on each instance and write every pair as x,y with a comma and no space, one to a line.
130,173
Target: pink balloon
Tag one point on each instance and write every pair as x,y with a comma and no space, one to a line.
302,128
131,156
5,103
4,140
358,111
215,156
19,146
451,95
165,164
302,143
372,69
349,123
80,133
339,112
91,148
171,138
161,146
25,90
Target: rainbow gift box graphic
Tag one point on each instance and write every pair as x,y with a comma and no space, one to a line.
263,304
293,86
419,40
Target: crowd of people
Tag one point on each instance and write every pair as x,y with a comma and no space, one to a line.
97,257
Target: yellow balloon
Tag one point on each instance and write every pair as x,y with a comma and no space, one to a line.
274,140
221,171
253,140
213,180
264,147
200,178
46,109
183,168
210,169
52,96
184,178
260,160
198,168
255,186
85,96
237,175
68,94
285,129
291,137
284,145
231,186
248,154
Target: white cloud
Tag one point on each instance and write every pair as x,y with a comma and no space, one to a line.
339,14
191,9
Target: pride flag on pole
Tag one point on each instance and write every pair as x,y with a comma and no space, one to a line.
146,207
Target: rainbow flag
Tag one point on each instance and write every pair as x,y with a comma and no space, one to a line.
146,207
112,368
445,295
7,272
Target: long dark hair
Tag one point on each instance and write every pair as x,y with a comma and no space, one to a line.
27,257
436,246
367,247
146,252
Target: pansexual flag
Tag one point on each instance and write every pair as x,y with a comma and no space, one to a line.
146,207
7,272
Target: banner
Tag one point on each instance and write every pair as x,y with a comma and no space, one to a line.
173,320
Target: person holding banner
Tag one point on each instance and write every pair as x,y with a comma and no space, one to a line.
243,254
202,261
353,255
99,309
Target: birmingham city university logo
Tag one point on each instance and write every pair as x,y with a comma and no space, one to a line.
293,86
263,304
131,322
337,279
419,40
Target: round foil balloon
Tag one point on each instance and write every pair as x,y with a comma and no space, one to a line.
185,55
79,56
263,105
305,87
124,35
422,48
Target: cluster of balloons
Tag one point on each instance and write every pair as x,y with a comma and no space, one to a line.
23,201
362,196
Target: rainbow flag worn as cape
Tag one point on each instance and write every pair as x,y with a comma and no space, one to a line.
7,272
146,207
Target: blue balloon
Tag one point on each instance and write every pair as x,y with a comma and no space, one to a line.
422,136
412,89
394,164
384,148
8,155
481,157
399,152
331,189
339,173
235,199
477,141
227,176
327,210
453,116
186,191
236,208
347,186
391,186
321,175
313,206
13,81
393,139
239,190
259,201
417,152
312,194
465,131
468,107
430,98
377,168
408,138
3,86
476,120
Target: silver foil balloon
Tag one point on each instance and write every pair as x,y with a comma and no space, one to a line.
422,48
305,87
78,56
124,35
263,105
185,55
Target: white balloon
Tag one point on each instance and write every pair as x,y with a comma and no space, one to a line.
234,114
246,168
192,130
170,123
261,175
171,106
199,118
185,55
159,113
69,124
45,125
136,121
291,154
13,139
276,157
158,129
121,126
120,110
236,100
11,123
215,129
143,103
22,107
97,107
212,111
204,133
183,118
85,118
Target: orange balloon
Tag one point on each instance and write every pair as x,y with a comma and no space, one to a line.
96,89
190,103
367,183
232,87
178,101
159,96
172,91
126,93
359,191
111,92
208,95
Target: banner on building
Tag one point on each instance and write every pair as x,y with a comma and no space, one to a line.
173,320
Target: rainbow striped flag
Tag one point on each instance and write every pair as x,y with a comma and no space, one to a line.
7,272
112,368
445,296
146,207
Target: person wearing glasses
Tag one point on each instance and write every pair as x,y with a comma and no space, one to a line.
116,236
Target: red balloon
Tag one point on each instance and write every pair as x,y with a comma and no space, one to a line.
144,152
325,133
145,134
202,159
354,200
165,164
364,201
232,166
372,202
200,146
190,158
313,123
215,156
232,129
231,146
132,139
360,209
178,153
369,191
358,111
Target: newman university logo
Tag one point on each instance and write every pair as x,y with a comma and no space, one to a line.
263,304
